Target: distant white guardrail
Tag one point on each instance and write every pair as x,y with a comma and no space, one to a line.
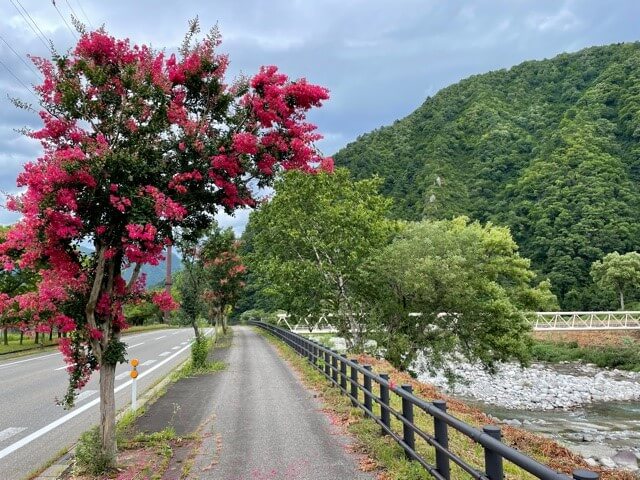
540,321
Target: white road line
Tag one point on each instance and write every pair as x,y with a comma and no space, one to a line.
158,338
136,345
62,420
176,347
3,365
122,375
83,395
28,360
176,333
164,354
183,343
148,362
63,368
10,432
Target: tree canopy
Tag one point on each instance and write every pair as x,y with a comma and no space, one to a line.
467,282
310,241
548,148
620,273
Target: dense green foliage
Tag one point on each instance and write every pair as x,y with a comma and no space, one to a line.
548,148
620,273
311,239
469,284
624,357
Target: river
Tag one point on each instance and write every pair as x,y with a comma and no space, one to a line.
594,412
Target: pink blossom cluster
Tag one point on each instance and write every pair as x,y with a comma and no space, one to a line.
178,143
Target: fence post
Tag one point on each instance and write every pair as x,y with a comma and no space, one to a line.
354,383
334,370
385,417
408,435
442,437
327,367
367,392
343,376
585,475
492,460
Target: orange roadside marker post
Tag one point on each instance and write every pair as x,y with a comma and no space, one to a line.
134,383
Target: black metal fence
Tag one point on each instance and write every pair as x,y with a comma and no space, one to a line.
358,385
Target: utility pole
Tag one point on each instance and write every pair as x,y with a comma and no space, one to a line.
167,280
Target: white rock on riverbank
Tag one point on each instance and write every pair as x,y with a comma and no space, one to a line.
537,387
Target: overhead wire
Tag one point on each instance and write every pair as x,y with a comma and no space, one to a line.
84,13
41,36
53,2
30,67
19,80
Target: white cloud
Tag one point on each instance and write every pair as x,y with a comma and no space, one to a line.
562,20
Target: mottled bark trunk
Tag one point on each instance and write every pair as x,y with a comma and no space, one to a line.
621,300
224,323
108,412
194,324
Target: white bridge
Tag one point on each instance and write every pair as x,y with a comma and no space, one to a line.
539,321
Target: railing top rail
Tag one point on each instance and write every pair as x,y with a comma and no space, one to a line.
612,312
514,456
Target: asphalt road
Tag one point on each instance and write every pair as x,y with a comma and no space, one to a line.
267,425
33,429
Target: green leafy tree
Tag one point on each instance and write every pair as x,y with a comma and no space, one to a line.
222,274
311,239
467,283
618,272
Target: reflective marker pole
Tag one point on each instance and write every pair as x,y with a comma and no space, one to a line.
134,384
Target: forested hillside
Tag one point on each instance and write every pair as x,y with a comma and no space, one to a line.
549,148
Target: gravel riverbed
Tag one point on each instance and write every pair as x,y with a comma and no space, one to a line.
539,386
592,411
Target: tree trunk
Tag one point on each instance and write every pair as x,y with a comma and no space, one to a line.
51,334
108,412
621,300
194,324
21,336
37,337
224,324
5,334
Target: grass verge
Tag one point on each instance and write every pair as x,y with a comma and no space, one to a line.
625,356
389,457
14,349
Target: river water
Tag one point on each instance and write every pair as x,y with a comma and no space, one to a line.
595,430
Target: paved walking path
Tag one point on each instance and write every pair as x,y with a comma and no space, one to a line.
263,424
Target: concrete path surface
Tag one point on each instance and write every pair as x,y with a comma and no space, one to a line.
266,425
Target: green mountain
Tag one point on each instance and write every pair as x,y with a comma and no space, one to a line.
549,148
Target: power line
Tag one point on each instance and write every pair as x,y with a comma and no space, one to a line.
41,36
30,67
73,12
84,13
64,20
19,81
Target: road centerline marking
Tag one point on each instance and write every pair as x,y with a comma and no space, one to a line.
62,420
158,338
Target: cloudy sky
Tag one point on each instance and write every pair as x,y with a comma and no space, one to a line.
379,58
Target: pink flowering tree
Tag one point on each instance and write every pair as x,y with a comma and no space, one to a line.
136,144
223,276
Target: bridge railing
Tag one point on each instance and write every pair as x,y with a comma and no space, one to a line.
614,320
364,387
